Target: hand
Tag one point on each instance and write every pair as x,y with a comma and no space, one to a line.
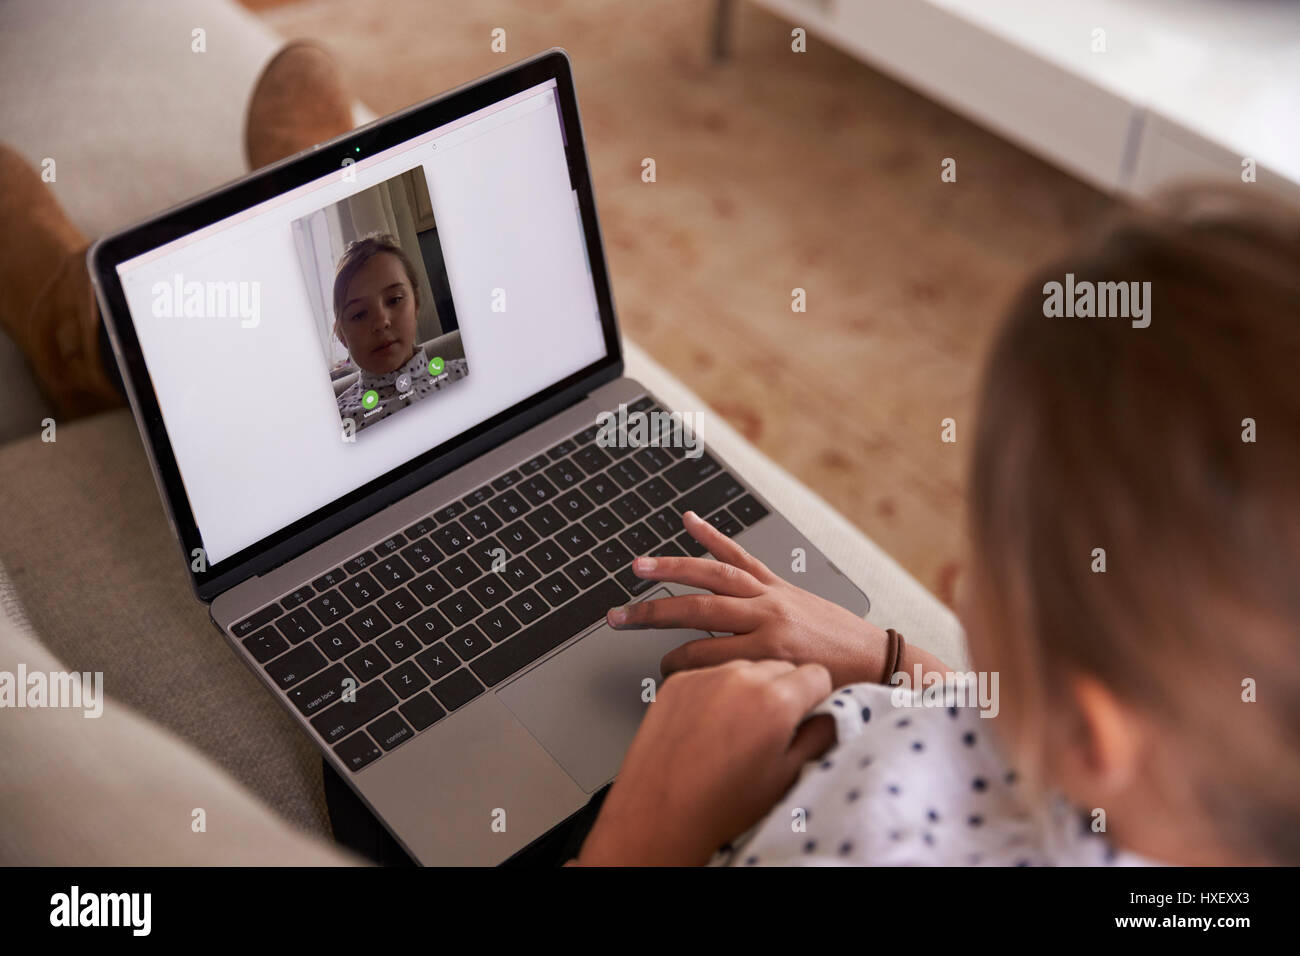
765,616
716,750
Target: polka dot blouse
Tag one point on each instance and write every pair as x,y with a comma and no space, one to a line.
918,786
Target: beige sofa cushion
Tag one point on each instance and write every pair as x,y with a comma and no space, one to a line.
119,790
90,555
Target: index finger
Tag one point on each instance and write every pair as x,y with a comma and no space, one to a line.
724,548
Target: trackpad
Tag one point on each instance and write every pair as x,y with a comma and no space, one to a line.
585,704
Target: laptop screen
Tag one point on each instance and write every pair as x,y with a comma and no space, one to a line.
323,338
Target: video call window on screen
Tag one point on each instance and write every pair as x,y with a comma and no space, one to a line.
384,314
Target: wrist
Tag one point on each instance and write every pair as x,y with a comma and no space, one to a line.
914,661
867,665
882,662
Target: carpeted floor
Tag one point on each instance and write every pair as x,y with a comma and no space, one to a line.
775,170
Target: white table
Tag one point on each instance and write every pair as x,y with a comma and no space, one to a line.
1184,88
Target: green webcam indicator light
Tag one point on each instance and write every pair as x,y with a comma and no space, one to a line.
358,149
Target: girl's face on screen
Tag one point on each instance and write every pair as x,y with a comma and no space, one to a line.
378,322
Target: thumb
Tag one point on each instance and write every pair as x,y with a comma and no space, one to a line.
709,652
814,737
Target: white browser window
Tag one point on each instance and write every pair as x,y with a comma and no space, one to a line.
255,372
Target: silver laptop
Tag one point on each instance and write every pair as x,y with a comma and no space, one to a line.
382,389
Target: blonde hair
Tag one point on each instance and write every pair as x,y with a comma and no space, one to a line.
1094,434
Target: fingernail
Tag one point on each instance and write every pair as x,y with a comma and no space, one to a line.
645,564
617,616
691,514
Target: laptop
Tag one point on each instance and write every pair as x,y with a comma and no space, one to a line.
381,387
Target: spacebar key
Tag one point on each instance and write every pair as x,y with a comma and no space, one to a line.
548,633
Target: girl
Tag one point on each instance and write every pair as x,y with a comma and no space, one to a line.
376,299
1135,520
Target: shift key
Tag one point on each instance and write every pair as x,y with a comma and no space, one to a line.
347,715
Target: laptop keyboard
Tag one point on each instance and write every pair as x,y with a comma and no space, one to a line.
424,621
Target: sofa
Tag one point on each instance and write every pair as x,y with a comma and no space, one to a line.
91,578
